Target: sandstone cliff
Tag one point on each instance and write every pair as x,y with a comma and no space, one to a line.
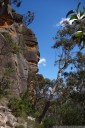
19,53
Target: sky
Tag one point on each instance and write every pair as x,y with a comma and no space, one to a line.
48,14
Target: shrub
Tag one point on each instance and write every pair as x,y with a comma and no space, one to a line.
20,126
15,48
4,86
49,122
72,115
34,124
22,106
9,71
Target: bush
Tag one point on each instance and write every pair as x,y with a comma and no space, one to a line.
4,86
34,124
72,115
20,126
49,122
9,71
15,48
22,106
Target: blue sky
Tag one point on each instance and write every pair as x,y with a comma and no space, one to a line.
48,13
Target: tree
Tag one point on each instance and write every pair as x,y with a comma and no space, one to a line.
70,41
6,9
41,96
78,16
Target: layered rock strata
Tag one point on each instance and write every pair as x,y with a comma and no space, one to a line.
19,53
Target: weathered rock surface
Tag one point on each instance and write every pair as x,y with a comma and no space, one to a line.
19,54
8,120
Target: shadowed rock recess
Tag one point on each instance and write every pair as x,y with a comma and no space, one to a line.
19,53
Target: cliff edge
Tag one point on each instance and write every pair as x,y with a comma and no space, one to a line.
19,53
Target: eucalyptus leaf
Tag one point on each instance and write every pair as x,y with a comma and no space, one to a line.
82,13
84,9
78,6
78,34
73,17
70,12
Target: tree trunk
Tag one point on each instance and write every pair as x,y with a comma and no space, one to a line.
47,105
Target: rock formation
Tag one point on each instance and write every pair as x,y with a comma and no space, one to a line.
19,56
19,53
7,120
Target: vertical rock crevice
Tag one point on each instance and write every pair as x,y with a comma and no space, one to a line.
18,51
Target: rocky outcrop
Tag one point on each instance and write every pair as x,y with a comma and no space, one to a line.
31,51
19,54
8,120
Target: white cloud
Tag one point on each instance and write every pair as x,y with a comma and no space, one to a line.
42,62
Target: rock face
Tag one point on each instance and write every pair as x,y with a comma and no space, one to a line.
19,54
31,51
8,120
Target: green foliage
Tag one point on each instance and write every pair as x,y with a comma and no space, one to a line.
9,71
20,126
49,122
40,81
76,11
77,18
78,6
78,34
21,106
72,115
70,43
15,48
17,106
4,86
34,124
70,12
65,114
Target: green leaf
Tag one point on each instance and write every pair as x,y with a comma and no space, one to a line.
73,17
84,33
78,6
84,9
82,13
78,34
70,12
